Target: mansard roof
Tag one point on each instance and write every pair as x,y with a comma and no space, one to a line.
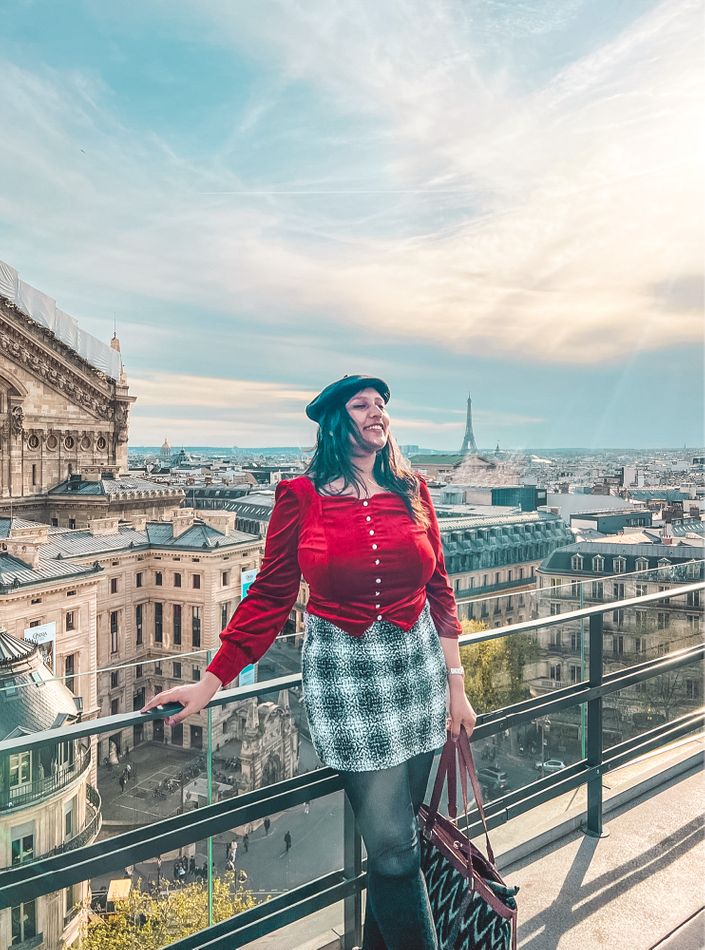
559,561
15,573
7,524
33,700
125,485
69,543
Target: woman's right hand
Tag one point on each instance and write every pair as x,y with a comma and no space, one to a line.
192,696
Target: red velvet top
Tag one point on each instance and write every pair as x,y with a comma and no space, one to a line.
363,560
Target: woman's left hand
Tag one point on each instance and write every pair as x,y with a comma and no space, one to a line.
461,714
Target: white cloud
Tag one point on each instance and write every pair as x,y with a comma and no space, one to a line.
472,213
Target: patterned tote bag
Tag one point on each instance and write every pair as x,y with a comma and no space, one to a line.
473,908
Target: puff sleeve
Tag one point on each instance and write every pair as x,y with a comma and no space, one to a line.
261,615
441,600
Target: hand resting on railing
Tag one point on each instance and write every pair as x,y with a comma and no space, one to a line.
192,696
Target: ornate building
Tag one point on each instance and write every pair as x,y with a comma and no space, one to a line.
64,400
492,562
108,573
603,570
48,802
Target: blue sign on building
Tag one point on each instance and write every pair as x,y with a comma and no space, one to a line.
248,675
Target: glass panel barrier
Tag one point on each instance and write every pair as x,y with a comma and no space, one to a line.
637,709
521,599
69,793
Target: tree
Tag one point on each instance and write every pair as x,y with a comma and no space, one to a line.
150,922
494,669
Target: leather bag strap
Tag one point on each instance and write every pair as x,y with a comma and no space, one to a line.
440,781
468,768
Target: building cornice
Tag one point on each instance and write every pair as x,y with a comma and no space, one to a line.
58,366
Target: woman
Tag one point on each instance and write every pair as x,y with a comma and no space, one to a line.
380,660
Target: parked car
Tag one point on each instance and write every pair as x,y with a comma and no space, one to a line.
492,781
550,765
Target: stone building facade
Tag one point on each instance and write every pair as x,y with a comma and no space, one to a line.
48,799
492,562
58,413
600,571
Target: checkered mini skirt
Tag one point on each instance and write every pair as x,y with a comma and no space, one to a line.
377,700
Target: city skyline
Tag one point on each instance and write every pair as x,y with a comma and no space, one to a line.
486,198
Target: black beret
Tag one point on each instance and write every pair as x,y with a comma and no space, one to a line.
342,390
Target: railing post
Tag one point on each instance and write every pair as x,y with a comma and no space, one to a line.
352,867
593,823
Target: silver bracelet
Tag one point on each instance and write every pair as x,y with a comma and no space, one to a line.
455,670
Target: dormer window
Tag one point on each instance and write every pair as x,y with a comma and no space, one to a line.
598,563
642,564
620,565
576,562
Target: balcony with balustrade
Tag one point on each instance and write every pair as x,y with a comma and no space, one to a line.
549,830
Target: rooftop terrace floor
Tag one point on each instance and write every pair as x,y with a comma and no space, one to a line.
640,887
629,890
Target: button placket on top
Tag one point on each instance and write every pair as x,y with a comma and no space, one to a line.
371,533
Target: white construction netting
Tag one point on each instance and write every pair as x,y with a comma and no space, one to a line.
43,310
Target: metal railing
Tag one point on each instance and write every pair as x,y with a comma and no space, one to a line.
113,854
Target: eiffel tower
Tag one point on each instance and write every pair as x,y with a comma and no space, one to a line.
469,444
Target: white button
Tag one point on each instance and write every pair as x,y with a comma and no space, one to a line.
376,559
377,606
372,530
379,616
376,593
374,547
378,580
368,518
365,503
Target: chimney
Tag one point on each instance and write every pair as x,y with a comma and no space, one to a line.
182,520
26,551
102,526
225,523
25,543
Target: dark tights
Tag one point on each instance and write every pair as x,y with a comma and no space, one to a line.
385,802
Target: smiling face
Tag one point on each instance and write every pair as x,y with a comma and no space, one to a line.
367,411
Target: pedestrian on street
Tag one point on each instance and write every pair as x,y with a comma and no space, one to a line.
287,841
228,849
192,867
123,783
267,825
307,808
246,842
361,503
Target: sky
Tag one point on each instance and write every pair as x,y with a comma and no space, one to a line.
495,198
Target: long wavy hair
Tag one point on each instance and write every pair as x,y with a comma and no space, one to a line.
332,459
